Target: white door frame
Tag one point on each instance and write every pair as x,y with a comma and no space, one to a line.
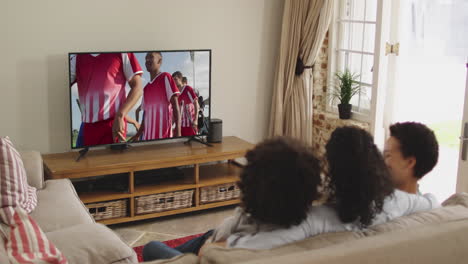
462,177
379,86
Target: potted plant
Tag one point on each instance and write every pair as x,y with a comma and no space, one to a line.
346,86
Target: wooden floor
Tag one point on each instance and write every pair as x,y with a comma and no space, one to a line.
171,227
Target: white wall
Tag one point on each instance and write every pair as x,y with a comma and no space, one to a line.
36,36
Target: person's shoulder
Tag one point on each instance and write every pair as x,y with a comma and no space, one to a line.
324,211
161,78
148,84
166,74
323,218
400,196
397,193
433,199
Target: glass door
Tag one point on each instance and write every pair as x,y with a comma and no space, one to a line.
426,78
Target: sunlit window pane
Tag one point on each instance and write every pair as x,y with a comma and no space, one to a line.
356,32
356,39
369,40
367,69
371,10
357,9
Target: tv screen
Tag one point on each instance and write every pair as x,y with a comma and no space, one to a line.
119,97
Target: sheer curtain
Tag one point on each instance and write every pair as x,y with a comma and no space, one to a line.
305,24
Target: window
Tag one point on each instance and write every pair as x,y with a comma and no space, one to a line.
352,46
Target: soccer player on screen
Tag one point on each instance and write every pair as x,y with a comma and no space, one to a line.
160,103
189,107
185,82
101,80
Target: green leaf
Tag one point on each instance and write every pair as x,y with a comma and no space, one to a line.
346,86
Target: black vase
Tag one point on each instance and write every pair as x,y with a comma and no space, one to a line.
344,111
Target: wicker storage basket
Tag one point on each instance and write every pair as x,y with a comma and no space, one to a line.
222,192
107,210
163,201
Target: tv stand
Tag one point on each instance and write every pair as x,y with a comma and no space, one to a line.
121,146
198,139
82,153
203,169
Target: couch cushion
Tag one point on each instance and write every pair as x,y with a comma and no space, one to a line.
59,206
14,188
33,165
24,240
214,254
3,253
455,208
92,243
435,216
457,199
182,259
445,243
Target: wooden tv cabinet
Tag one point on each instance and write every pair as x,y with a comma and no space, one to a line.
199,171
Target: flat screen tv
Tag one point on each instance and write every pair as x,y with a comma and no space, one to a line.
138,96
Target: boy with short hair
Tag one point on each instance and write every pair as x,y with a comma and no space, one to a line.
410,153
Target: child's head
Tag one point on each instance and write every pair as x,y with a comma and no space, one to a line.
357,176
410,152
184,80
280,181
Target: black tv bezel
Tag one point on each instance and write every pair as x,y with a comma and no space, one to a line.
138,142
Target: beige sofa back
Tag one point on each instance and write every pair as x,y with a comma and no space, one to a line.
33,165
238,255
453,211
446,243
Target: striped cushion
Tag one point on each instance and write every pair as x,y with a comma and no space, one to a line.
24,240
14,188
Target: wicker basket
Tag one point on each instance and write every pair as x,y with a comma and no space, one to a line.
222,192
163,201
107,210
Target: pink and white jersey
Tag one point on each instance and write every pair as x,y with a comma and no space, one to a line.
187,108
101,80
157,106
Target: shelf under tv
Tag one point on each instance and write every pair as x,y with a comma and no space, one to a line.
202,167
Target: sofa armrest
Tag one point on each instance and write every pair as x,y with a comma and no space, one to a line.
92,244
32,161
460,198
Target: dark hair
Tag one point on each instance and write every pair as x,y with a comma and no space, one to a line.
279,182
177,74
358,179
418,141
184,79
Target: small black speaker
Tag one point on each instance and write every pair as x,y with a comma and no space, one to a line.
215,132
